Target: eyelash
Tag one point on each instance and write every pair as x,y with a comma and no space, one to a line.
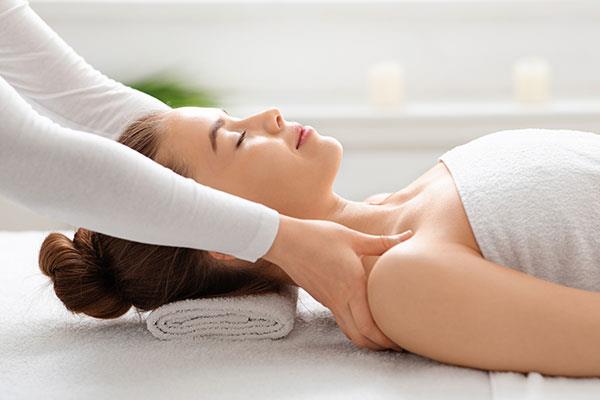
242,137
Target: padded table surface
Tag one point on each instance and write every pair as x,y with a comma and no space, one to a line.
46,352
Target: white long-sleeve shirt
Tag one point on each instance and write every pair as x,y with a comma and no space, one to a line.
57,118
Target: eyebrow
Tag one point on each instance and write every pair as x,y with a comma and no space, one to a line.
213,132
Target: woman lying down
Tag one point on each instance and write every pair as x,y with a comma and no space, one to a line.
502,272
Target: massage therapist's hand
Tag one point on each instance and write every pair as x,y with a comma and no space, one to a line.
324,258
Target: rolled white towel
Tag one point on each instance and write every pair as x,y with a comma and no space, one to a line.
258,316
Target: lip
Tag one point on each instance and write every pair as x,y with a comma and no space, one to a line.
303,134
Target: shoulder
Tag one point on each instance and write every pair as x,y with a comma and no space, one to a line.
423,256
410,251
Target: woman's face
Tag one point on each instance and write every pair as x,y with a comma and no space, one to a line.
265,167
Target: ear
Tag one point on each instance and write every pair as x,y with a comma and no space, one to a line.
220,256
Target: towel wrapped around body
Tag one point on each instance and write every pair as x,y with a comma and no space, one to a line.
260,316
531,198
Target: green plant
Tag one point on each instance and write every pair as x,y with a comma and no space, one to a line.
174,92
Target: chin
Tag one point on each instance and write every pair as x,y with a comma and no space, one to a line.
337,150
331,143
331,158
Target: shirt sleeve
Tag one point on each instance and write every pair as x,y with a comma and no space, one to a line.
112,189
60,84
97,183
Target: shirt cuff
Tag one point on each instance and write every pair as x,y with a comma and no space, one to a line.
264,237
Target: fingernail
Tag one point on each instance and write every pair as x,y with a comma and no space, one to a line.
401,235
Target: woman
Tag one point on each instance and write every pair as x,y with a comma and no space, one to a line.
75,174
443,293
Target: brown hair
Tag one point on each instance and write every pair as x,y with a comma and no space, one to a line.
103,276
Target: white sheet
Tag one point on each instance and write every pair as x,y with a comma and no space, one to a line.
46,352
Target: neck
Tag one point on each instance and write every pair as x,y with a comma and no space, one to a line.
372,219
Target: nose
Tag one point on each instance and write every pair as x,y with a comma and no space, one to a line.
272,120
269,121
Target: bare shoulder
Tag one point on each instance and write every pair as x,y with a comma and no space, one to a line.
424,252
446,302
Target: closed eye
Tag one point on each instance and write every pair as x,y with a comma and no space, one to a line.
241,139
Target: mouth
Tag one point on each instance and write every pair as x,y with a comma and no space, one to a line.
303,133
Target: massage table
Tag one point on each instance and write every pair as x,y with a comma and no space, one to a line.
47,352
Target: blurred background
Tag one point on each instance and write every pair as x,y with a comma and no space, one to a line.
397,82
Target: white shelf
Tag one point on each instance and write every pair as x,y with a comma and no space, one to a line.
423,10
441,110
427,125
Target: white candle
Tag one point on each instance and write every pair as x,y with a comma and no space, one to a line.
531,80
386,84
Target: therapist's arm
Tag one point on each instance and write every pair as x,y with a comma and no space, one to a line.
90,181
104,186
60,84
93,182
87,182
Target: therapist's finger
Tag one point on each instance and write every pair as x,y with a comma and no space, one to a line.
349,329
363,320
376,245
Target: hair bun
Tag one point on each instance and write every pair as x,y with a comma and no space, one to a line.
79,271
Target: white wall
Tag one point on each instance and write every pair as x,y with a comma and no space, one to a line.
318,52
311,60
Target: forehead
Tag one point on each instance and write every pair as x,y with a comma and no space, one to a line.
184,122
199,116
187,133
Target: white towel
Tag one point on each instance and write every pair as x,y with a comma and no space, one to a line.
549,229
259,316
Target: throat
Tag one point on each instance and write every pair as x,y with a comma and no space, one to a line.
395,215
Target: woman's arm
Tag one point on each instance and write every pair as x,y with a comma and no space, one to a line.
448,303
60,84
91,181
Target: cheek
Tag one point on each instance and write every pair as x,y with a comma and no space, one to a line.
261,171
273,167
297,173
268,174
